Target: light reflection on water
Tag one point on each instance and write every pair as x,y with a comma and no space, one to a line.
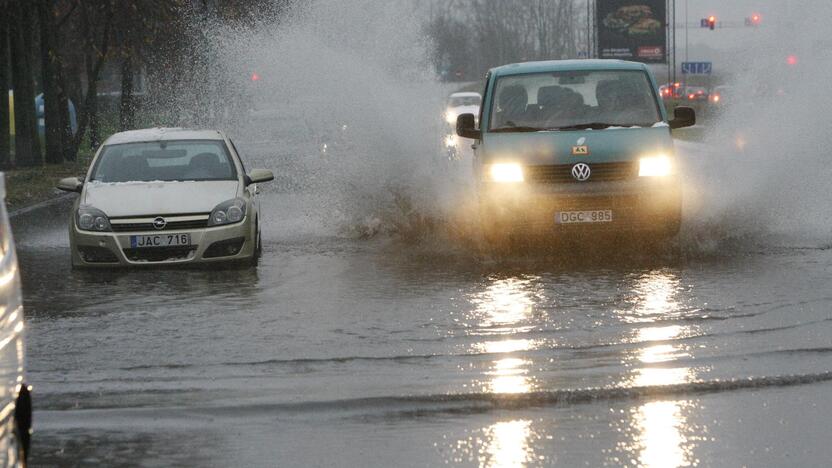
505,308
509,376
506,304
659,434
508,444
659,426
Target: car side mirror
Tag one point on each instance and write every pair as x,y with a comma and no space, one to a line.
70,184
466,127
683,117
257,176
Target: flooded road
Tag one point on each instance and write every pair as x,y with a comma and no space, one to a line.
344,350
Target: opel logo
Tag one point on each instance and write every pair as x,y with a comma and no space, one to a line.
160,222
581,172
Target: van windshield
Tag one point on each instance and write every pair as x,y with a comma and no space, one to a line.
167,161
573,100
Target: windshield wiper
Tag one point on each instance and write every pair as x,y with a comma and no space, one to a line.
517,129
592,125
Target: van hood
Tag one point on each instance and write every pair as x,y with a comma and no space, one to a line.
563,147
158,198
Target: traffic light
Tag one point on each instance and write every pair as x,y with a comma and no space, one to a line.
754,20
712,22
792,60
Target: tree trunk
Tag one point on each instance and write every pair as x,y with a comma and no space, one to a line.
5,137
127,104
27,146
51,103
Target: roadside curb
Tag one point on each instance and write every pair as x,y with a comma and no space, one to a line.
41,205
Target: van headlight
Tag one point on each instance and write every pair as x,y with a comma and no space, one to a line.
506,173
92,219
228,212
655,166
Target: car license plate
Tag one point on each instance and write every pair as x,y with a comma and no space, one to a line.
579,217
160,240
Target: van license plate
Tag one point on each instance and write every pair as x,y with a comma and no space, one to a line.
580,217
160,240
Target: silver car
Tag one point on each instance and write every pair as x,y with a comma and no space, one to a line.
165,196
15,399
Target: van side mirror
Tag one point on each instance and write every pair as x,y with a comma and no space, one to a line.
70,184
683,117
257,176
466,127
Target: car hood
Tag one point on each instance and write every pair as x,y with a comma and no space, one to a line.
158,198
551,148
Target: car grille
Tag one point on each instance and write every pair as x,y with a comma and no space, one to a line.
562,174
159,254
171,226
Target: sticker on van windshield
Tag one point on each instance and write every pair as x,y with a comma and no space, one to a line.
582,150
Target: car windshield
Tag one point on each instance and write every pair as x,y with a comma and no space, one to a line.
164,161
459,101
573,100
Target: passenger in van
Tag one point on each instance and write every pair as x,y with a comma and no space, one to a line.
558,106
511,107
621,102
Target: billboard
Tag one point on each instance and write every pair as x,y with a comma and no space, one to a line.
632,30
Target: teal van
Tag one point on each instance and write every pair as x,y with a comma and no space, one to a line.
576,146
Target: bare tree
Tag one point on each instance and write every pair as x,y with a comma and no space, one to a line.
502,31
27,145
5,137
52,115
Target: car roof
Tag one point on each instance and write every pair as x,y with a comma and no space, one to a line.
566,65
163,134
465,94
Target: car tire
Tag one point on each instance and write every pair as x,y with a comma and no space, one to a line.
258,246
23,425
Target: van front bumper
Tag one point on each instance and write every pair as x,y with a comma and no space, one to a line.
638,205
229,243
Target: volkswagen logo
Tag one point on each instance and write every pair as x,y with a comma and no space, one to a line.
160,222
581,172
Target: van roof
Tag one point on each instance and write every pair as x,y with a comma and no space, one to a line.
566,65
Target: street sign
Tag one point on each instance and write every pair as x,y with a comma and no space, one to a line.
697,68
704,23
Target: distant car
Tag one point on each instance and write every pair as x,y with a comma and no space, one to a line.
462,103
458,104
671,91
719,94
696,93
165,196
15,399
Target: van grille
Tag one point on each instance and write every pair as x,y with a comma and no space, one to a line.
562,174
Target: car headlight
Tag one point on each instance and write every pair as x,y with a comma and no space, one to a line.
92,219
450,117
506,173
228,212
655,166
